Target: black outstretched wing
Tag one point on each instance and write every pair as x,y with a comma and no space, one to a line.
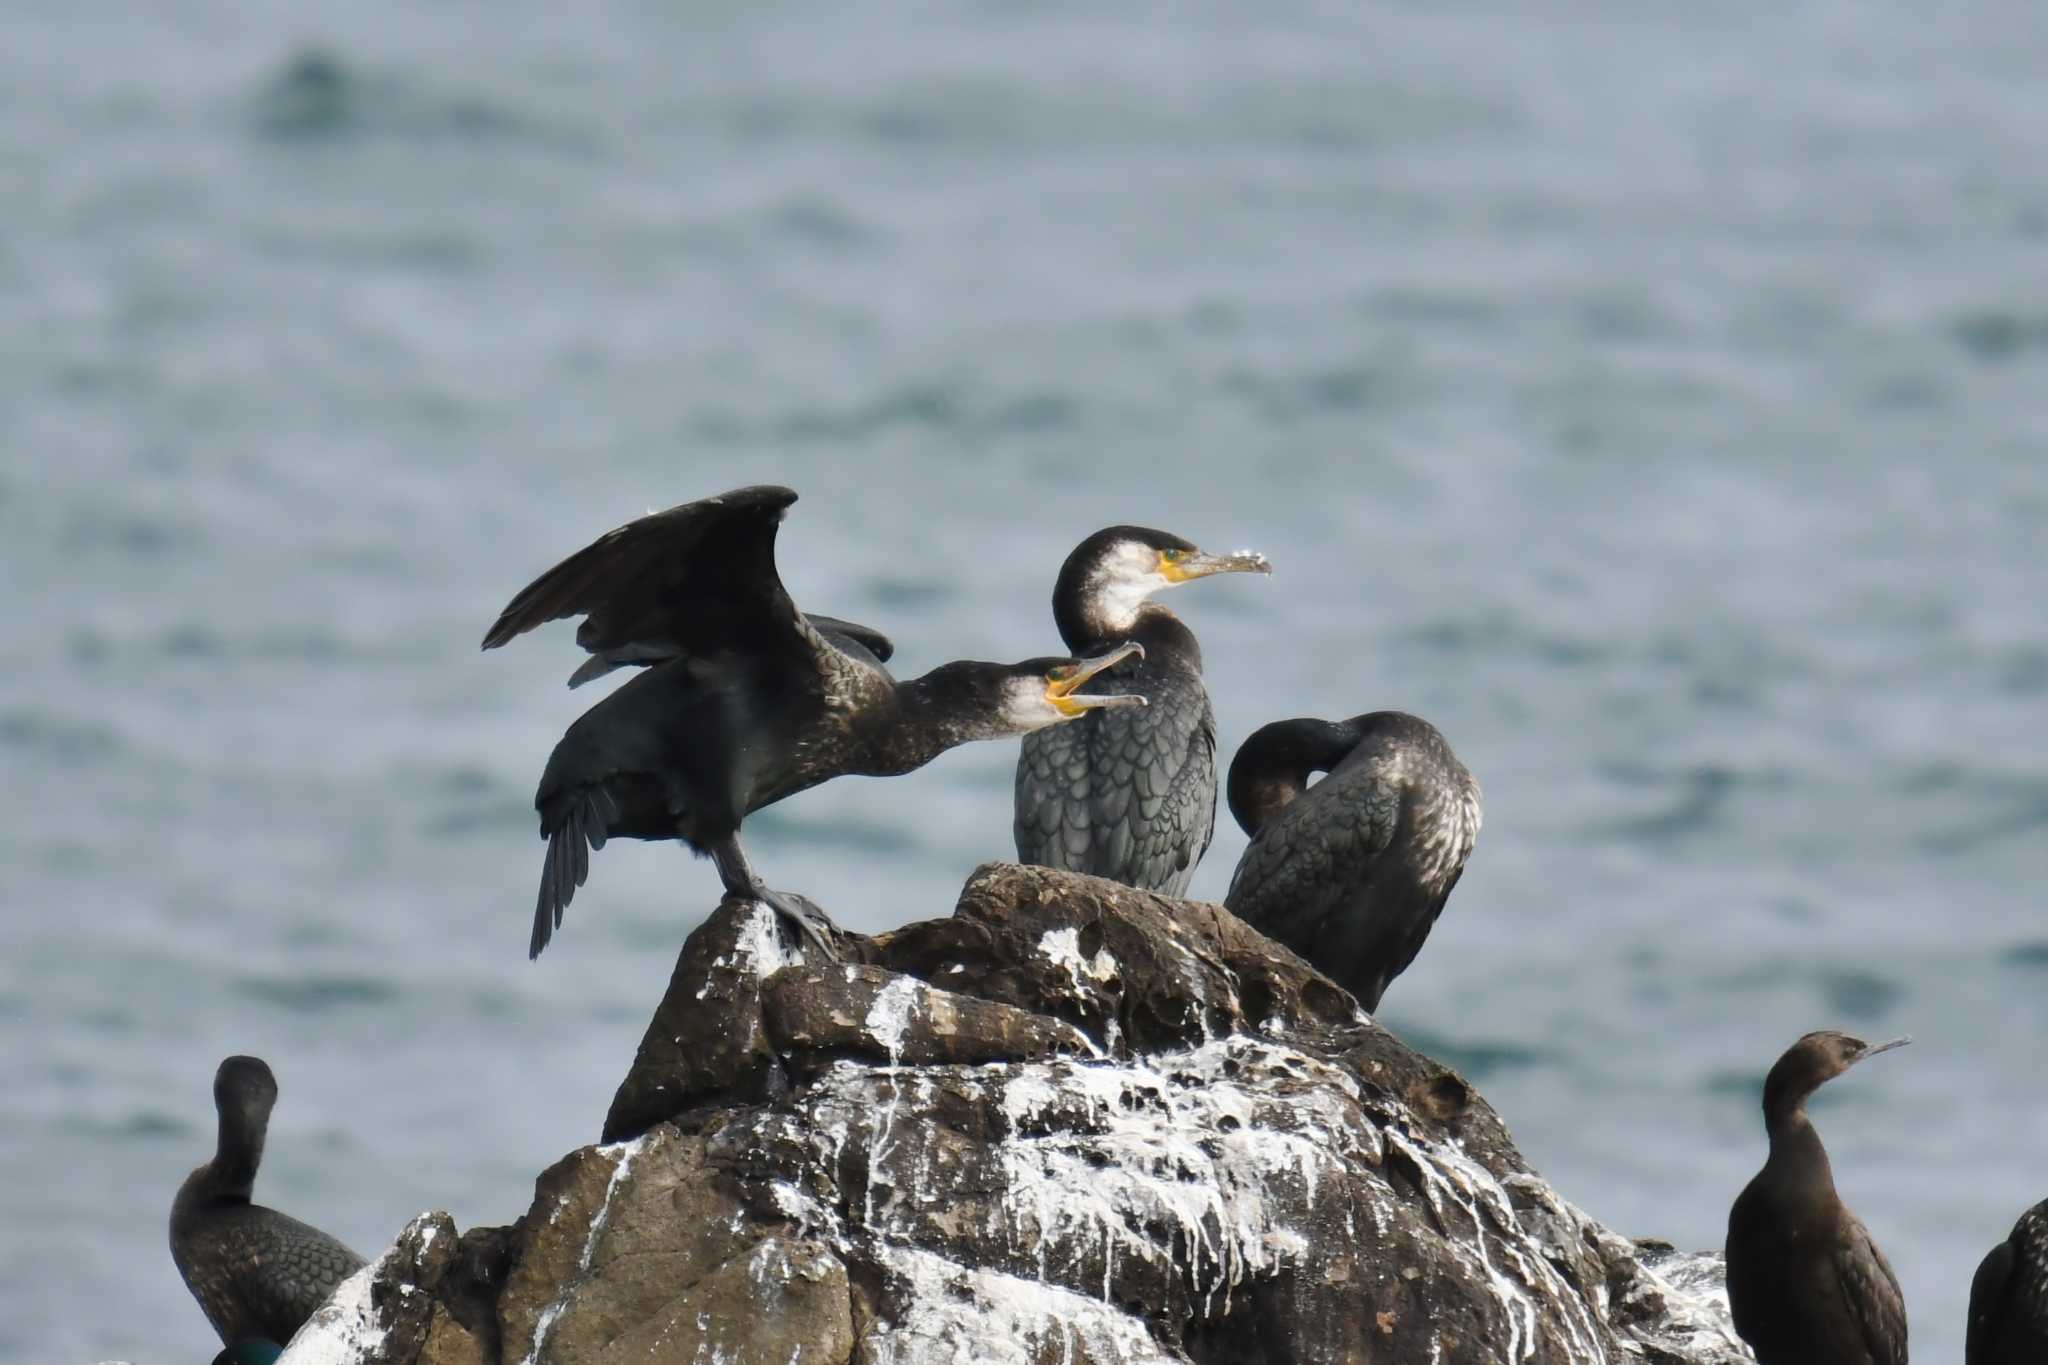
1323,877
1990,1291
692,579
1128,794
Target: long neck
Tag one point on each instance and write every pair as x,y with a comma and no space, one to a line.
932,714
1275,764
232,1174
1796,1145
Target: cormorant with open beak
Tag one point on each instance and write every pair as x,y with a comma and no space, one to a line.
1128,795
745,700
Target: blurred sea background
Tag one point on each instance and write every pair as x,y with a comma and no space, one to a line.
1653,396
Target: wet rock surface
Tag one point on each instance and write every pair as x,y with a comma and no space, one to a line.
1073,1123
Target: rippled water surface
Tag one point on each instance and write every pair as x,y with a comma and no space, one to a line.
1654,397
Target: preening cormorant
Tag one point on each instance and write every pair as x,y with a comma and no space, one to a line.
1806,1284
1128,795
1352,872
2009,1297
257,1273
746,700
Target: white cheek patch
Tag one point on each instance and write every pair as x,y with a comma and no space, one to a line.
1025,707
1120,587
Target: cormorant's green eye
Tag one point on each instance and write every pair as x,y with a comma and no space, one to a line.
1169,555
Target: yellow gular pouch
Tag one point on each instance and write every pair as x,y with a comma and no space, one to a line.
1060,682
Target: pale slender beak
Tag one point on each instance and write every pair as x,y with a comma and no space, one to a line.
1200,564
1061,682
1876,1048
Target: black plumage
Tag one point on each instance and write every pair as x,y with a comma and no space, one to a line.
257,1273
1129,795
745,701
2009,1297
1351,872
1806,1284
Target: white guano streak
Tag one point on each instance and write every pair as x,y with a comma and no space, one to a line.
622,1154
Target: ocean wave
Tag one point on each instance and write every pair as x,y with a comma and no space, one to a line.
318,96
1995,335
318,994
70,739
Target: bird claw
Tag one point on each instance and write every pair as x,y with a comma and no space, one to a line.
808,916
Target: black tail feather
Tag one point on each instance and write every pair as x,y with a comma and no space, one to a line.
584,818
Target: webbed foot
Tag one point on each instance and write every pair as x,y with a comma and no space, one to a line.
807,915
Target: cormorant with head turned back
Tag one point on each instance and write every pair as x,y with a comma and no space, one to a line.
1806,1284
2009,1297
745,699
1351,872
1128,795
257,1273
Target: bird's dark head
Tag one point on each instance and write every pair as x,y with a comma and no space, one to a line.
1812,1062
244,1090
1108,577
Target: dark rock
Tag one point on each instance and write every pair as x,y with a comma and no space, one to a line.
385,1312
846,1009
708,1037
1074,1123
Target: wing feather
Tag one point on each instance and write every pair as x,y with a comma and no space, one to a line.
671,580
1314,879
1124,794
1870,1295
1990,1290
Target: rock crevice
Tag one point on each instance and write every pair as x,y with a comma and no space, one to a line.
1072,1123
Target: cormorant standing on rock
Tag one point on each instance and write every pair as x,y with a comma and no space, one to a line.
1805,1282
2009,1297
1128,795
1352,872
746,700
257,1273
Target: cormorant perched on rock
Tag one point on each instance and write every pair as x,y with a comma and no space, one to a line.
1806,1284
1129,795
257,1273
2009,1297
1352,872
747,700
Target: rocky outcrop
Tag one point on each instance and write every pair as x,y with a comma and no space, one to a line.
1073,1123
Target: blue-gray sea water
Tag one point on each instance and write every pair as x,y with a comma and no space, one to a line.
1654,396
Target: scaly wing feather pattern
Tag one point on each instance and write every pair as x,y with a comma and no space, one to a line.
1126,794
1869,1295
271,1273
1314,879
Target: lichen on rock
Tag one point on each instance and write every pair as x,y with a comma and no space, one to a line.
1073,1123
